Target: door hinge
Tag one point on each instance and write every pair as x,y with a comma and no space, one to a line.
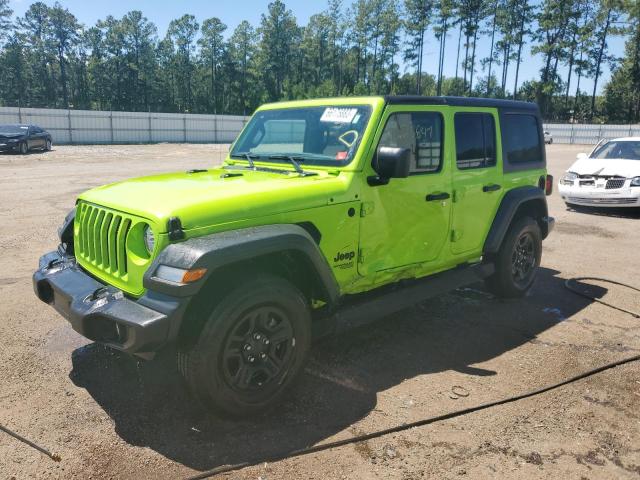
366,208
456,235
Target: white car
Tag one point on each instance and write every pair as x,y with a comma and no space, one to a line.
608,177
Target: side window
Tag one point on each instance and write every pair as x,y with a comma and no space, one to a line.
521,138
475,140
422,133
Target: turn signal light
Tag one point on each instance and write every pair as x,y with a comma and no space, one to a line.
180,275
194,275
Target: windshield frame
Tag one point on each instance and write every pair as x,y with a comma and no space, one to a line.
600,148
370,109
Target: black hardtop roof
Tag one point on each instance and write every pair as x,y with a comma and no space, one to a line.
459,102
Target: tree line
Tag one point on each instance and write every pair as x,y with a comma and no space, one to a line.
49,59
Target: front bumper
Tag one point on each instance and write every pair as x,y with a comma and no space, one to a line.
103,313
8,147
600,197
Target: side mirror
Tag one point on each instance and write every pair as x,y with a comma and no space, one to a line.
392,162
581,156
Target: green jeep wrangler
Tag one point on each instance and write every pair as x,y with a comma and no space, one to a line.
327,214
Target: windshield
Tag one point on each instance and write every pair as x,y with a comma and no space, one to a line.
315,135
627,150
13,129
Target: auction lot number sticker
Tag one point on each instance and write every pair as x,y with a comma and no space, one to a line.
338,115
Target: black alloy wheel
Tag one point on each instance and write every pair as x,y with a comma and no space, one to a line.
523,258
259,349
252,346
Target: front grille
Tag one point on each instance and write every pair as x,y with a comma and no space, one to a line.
604,201
101,238
613,183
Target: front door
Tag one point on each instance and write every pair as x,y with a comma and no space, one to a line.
477,179
406,222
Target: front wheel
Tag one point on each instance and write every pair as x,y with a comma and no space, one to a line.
23,148
517,260
252,346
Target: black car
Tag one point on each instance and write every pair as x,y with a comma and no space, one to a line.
22,138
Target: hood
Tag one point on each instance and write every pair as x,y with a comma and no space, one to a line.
606,167
6,136
202,199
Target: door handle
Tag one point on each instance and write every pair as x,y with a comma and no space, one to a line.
491,188
437,196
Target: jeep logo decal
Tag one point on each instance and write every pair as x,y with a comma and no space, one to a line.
344,259
344,256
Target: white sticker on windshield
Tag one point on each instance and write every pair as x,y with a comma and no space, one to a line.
338,115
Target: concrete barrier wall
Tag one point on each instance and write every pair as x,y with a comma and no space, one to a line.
98,127
589,134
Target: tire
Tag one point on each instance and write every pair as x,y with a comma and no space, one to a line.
47,146
550,141
517,260
23,149
252,347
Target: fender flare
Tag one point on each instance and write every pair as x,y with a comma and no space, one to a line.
509,205
225,248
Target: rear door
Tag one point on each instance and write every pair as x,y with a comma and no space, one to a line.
32,138
40,137
477,178
406,222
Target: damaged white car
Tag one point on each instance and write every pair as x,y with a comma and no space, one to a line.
608,177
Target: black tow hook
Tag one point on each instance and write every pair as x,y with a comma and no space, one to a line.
53,263
98,293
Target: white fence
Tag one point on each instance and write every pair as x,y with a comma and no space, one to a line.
589,134
98,127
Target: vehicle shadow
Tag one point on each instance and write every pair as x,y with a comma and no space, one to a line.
151,408
30,152
628,212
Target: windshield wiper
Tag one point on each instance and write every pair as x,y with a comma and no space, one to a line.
293,159
248,156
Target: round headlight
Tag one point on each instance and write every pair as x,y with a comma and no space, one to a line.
149,239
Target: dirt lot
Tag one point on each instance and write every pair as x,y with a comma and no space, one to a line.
109,418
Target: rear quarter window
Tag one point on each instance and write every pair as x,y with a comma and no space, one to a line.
521,140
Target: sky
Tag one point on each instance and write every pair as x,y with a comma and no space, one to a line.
161,12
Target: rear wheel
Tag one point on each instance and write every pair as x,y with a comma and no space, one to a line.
252,347
517,260
48,146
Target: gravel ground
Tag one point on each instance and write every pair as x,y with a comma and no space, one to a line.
109,417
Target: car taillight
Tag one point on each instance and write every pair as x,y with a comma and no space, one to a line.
548,185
